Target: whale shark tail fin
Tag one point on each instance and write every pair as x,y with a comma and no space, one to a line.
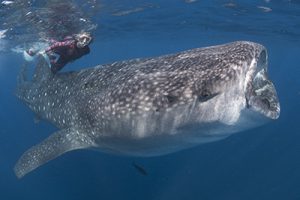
42,70
55,145
23,84
22,76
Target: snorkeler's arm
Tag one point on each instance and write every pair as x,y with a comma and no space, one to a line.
60,44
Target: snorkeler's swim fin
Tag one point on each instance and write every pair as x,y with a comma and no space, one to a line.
28,57
32,56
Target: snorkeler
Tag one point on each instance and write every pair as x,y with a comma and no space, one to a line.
59,53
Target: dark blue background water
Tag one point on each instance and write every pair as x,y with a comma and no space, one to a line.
262,163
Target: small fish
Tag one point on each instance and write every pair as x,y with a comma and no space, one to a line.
140,169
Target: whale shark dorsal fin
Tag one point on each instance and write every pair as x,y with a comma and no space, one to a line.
55,145
42,70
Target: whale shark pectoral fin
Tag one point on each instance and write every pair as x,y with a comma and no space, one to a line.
55,145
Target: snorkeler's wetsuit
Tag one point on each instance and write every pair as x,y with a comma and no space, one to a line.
60,53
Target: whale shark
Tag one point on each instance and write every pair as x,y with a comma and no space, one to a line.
150,106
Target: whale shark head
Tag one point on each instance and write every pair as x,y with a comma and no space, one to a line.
261,95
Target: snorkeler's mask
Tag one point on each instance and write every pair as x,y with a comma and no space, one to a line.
83,40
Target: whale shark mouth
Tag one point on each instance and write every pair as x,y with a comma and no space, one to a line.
262,96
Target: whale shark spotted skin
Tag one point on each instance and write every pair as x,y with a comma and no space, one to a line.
150,106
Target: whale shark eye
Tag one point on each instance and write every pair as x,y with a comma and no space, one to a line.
206,95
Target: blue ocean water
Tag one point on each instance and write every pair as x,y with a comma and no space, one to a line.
262,163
